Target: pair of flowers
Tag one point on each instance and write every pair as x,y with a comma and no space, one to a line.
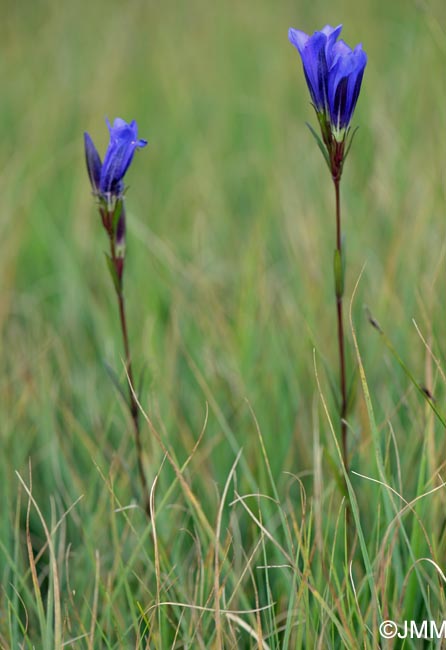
333,72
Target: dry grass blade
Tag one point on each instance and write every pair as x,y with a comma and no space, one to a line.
178,471
155,537
54,568
201,608
94,612
217,553
265,531
250,630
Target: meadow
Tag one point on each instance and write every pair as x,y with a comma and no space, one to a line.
229,290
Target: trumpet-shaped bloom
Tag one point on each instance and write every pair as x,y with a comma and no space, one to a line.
333,72
107,178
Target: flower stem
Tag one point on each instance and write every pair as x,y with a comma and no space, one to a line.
340,320
132,403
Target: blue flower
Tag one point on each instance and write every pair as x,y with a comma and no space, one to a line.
334,74
107,178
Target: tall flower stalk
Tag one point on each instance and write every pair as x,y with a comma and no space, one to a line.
107,182
334,73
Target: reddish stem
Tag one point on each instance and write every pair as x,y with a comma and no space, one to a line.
341,345
132,404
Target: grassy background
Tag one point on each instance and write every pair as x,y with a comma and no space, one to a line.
229,291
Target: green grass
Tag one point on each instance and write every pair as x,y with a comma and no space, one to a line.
229,293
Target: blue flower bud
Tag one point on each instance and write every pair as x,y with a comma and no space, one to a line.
94,164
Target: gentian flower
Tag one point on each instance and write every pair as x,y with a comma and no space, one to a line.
107,178
107,182
334,75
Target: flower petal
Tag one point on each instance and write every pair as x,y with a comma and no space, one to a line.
315,52
344,84
297,38
314,63
332,32
339,49
123,143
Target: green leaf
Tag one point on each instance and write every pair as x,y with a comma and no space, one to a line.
115,380
421,389
325,126
338,269
116,214
349,143
337,475
144,379
352,391
320,144
113,273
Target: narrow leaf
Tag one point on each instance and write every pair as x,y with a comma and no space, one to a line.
349,144
115,380
338,269
320,144
352,391
422,391
116,214
113,272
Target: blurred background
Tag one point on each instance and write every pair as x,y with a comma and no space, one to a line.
231,231
231,226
